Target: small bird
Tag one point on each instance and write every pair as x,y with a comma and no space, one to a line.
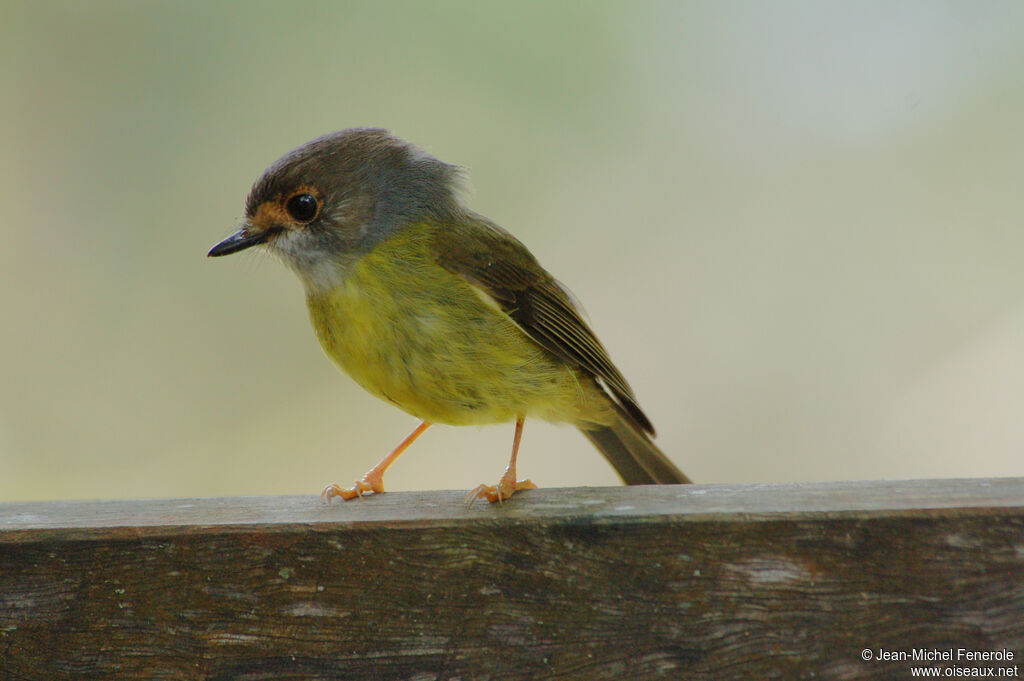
435,308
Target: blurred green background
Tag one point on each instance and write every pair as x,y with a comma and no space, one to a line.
796,226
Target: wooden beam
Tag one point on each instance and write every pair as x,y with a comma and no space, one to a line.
787,581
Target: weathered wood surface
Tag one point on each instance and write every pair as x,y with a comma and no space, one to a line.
695,582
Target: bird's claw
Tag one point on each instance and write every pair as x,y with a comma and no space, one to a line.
505,488
366,484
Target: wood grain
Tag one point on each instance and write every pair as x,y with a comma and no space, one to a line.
688,582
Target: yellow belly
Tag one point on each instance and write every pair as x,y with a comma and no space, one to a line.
412,333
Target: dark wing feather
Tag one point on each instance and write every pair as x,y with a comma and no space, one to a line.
487,256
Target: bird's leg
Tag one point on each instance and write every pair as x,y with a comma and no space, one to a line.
508,485
373,481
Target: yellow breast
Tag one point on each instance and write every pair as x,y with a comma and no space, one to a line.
413,333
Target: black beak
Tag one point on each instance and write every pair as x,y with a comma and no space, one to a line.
239,241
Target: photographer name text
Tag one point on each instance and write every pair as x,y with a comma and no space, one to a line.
937,655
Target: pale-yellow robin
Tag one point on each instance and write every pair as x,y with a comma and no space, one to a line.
436,309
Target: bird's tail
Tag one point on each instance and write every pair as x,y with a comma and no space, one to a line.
633,455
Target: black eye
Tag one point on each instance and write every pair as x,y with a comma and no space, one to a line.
302,207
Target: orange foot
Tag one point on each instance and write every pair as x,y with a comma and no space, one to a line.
506,487
369,483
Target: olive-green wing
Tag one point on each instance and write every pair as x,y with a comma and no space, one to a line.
490,258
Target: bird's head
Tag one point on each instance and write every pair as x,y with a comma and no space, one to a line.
322,205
